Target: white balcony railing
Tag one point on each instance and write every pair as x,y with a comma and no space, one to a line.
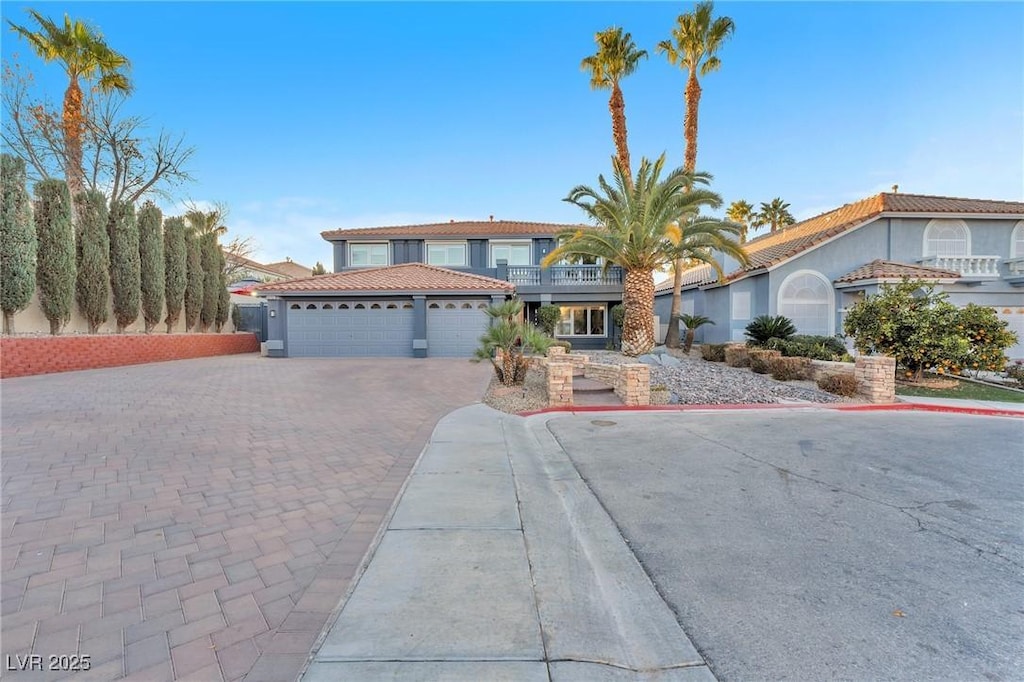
1015,266
967,266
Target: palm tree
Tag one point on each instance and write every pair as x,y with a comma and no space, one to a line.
514,337
695,41
206,222
741,212
82,52
644,225
775,214
616,58
692,324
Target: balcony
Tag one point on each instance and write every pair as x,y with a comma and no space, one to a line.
1015,270
969,267
562,275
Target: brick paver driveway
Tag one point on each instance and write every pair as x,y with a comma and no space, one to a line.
200,519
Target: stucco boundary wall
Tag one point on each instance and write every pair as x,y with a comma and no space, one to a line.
28,355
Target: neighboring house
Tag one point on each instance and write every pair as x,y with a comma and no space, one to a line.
246,272
813,271
422,290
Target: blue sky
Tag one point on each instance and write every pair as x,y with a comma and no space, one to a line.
313,116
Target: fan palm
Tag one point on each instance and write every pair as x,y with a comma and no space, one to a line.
774,214
616,58
692,324
206,222
741,212
84,54
644,225
695,41
514,337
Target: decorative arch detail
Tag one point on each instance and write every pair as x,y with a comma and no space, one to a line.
807,298
1017,241
946,238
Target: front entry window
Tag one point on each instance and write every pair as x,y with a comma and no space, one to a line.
581,320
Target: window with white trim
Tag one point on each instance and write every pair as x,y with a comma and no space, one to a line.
362,255
1017,241
515,253
446,253
947,239
582,320
806,298
741,305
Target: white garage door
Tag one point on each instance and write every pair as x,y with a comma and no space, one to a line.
454,327
350,329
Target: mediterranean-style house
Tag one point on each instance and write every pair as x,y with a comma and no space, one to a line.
813,271
420,291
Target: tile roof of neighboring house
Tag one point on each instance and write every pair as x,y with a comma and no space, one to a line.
290,268
776,247
462,228
886,269
407,277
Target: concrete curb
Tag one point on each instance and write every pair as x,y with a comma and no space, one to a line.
894,407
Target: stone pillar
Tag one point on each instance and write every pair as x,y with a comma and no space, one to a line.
559,384
876,378
634,386
556,350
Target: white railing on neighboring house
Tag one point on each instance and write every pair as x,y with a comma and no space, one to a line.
967,266
1015,266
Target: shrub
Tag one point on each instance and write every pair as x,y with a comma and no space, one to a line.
125,264
55,265
151,254
765,327
840,384
737,356
223,302
236,317
175,259
514,338
92,288
1016,372
194,280
618,313
17,241
759,358
210,257
548,317
988,337
713,352
789,369
814,347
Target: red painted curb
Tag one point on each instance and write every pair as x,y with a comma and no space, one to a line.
895,407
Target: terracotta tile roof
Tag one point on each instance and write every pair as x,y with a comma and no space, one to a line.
464,228
289,268
886,269
407,277
774,248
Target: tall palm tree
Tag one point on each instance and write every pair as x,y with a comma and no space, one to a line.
616,58
84,55
741,212
695,41
774,214
644,225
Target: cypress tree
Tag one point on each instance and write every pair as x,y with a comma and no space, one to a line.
125,264
223,296
92,290
194,279
55,268
151,256
175,259
211,280
17,241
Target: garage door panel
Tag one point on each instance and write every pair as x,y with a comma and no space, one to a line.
454,327
343,330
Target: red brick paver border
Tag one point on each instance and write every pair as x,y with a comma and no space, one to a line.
201,519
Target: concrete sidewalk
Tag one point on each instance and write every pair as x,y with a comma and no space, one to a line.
500,564
963,404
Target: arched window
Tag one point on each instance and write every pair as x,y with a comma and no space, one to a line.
947,239
1017,241
806,298
449,306
467,306
392,306
375,306
360,306
434,306
328,306
311,306
295,306
407,306
343,306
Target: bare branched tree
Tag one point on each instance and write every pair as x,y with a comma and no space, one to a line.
236,253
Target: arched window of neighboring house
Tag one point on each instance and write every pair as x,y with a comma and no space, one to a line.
806,298
1017,241
947,239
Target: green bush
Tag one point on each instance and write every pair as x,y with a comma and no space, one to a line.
814,347
789,369
548,317
210,257
236,317
839,384
55,265
1016,372
125,264
92,288
713,352
223,296
765,327
17,241
193,279
151,255
175,269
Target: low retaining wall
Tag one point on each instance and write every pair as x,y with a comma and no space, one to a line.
632,383
27,355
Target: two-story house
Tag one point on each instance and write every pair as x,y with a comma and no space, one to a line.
420,291
812,271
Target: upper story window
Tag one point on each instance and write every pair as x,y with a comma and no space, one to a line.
362,255
1017,241
513,253
947,239
446,253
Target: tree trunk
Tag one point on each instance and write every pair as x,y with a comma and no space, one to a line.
617,107
55,327
689,341
638,325
94,327
8,322
73,125
672,337
508,368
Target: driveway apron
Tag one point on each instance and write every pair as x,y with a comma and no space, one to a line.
200,519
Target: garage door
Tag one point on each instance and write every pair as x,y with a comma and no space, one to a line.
454,327
350,329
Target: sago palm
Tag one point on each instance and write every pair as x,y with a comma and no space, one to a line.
741,212
774,214
693,47
84,55
644,225
617,57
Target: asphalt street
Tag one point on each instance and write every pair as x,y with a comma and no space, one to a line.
816,545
